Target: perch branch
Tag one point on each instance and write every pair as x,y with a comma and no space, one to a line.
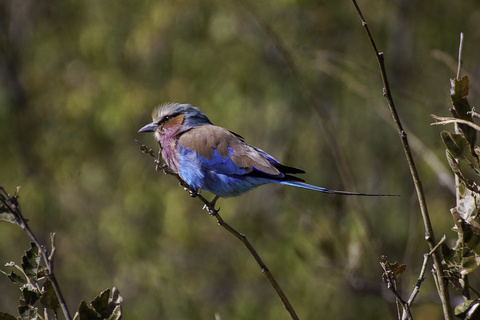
210,207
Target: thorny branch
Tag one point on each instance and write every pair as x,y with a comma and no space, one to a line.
210,207
429,234
11,205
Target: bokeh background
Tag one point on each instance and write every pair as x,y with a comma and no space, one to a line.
79,78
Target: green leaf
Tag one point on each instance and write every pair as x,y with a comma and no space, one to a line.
470,263
461,107
453,144
86,312
460,149
27,313
15,278
30,294
107,304
6,316
447,253
115,300
116,313
452,162
104,306
468,310
49,298
100,302
462,259
31,261
471,239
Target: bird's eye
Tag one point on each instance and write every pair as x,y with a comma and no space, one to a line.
171,116
163,120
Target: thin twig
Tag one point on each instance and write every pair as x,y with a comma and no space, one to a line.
421,275
389,278
210,207
13,207
474,114
447,120
460,49
429,234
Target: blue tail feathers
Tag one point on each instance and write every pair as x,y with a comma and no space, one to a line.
304,185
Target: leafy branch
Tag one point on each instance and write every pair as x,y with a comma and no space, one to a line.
10,211
463,157
39,284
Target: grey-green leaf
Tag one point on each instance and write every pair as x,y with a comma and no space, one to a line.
27,313
49,299
31,261
461,107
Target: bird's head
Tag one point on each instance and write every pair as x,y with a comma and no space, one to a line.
176,116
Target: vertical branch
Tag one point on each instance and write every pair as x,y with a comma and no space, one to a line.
458,183
429,234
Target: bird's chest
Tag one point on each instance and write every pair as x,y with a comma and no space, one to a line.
169,145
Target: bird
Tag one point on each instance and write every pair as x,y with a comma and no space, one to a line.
214,159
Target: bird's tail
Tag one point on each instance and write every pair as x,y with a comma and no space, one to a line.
304,185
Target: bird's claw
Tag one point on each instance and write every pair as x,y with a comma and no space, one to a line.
211,209
159,165
192,193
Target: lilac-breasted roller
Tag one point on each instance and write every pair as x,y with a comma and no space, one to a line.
215,159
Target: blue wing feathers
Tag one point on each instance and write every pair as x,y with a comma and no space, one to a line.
222,176
225,165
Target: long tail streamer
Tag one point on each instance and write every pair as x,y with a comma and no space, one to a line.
325,190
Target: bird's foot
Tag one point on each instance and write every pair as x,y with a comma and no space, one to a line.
211,211
193,193
159,165
211,206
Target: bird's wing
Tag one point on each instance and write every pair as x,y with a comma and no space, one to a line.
225,152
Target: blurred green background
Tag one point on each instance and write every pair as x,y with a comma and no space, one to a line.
79,78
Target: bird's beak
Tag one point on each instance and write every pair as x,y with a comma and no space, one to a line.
151,127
